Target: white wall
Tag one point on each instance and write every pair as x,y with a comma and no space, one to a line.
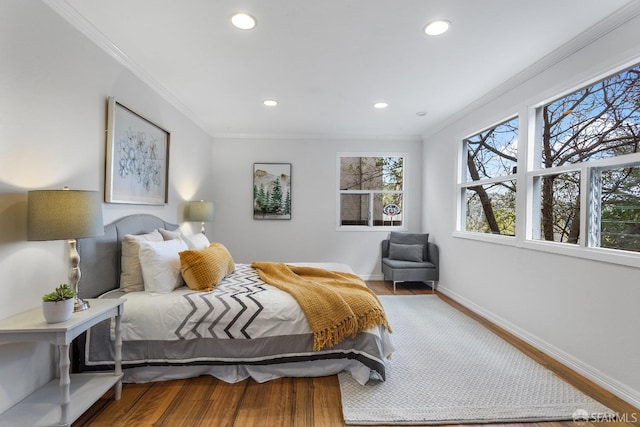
54,83
583,312
53,89
311,233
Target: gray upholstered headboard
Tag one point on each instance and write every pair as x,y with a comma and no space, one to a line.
100,256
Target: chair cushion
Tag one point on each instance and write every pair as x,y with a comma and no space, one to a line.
411,239
400,264
406,252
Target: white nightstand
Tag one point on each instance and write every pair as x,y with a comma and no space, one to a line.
61,402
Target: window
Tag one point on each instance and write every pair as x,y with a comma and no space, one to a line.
586,174
577,168
488,187
371,191
616,216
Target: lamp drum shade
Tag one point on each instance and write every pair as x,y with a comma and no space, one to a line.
63,214
200,211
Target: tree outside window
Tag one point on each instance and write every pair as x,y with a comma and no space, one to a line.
591,135
489,188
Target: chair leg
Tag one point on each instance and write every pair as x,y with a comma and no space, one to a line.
394,286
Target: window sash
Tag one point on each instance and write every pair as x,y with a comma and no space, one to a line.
495,147
501,211
374,209
590,197
371,216
590,123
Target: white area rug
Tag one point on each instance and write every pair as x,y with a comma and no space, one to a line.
447,368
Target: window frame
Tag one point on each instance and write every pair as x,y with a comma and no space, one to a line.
371,193
587,222
462,184
526,212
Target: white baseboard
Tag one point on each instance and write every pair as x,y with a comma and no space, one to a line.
622,391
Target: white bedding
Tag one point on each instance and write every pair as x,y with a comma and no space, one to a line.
237,309
242,328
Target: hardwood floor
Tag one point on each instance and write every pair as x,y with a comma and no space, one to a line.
206,401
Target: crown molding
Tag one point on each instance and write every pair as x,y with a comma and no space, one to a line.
605,26
626,13
71,15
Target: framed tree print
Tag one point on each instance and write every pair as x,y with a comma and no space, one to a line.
272,191
137,168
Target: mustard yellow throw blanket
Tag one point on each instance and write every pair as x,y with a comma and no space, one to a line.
337,305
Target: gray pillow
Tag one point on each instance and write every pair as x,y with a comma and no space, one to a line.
411,239
406,252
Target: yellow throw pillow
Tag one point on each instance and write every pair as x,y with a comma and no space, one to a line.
202,270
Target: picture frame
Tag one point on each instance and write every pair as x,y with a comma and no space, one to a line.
137,158
271,191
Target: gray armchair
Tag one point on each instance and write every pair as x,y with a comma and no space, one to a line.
410,257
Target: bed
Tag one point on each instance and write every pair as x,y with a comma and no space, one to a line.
243,328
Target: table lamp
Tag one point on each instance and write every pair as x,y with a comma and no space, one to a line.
65,215
199,211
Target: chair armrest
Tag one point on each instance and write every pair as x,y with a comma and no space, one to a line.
433,254
385,248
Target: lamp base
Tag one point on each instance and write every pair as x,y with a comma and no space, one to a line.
80,305
74,276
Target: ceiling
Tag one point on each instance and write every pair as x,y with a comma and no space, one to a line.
327,62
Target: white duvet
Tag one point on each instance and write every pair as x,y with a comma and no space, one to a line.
240,307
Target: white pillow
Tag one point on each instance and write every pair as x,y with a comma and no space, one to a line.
197,242
130,272
160,264
169,234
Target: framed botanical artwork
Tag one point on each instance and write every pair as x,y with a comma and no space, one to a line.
272,191
137,167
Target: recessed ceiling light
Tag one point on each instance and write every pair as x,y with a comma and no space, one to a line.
243,21
380,105
435,28
421,113
270,102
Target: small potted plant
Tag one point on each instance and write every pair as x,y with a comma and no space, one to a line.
57,306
